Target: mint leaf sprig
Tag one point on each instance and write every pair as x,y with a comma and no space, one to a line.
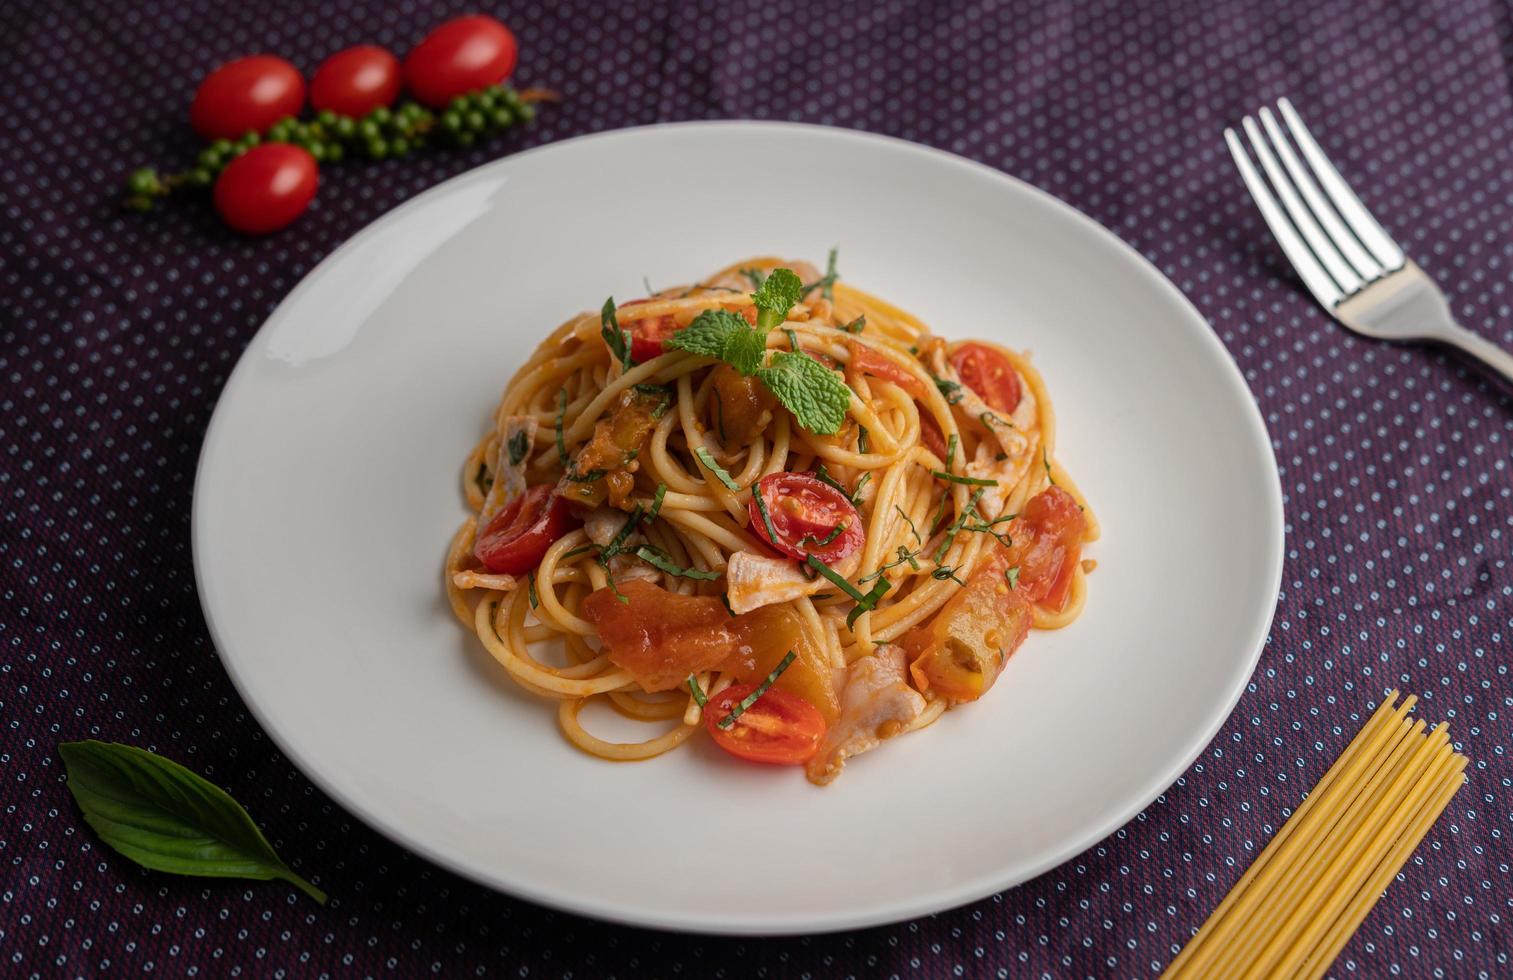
814,394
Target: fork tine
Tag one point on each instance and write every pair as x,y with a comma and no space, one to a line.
1313,275
1301,217
1359,259
1350,207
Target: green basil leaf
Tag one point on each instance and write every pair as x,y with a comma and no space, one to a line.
162,816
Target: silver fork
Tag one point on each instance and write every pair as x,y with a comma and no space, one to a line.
1346,260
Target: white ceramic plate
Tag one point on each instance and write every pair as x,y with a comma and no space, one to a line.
328,489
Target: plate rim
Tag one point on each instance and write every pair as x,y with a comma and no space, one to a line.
711,923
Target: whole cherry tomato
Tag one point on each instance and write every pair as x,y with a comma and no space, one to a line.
266,188
461,55
519,535
246,95
809,516
355,81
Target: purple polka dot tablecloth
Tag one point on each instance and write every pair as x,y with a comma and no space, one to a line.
118,330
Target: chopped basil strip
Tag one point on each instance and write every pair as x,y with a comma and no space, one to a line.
531,579
1011,575
573,476
616,339
657,559
1045,458
699,697
869,601
857,325
861,439
740,709
970,481
580,550
793,339
856,495
835,532
826,283
950,390
956,524
617,543
519,445
990,420
907,520
761,506
945,572
863,602
656,503
721,474
725,599
561,411
951,451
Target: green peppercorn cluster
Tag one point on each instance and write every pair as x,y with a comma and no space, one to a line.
330,138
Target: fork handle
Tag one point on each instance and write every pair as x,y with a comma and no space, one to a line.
1480,348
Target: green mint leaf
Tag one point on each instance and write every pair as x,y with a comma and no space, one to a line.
617,340
776,296
812,392
162,816
744,349
724,336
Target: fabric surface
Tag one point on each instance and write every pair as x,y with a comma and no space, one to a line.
118,330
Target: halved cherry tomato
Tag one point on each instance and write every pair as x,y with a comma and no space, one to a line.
459,56
865,360
266,188
519,535
805,512
989,373
931,436
355,81
648,335
780,729
1047,545
246,95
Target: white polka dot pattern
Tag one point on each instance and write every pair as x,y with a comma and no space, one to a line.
119,330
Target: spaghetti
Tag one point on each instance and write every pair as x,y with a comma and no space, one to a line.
680,490
1294,909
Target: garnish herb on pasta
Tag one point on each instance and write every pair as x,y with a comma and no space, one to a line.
767,509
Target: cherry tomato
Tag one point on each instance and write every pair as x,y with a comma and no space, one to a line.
266,188
961,652
1047,545
804,512
648,335
461,55
989,373
519,535
355,81
246,95
780,729
931,436
865,360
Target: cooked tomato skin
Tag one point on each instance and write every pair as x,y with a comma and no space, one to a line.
767,634
519,535
459,56
865,360
246,95
779,728
801,506
989,373
266,188
661,637
961,652
355,81
1047,545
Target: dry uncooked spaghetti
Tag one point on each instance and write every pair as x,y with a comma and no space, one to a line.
909,526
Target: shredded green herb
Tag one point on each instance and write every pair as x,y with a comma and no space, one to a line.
944,572
990,420
656,503
856,495
573,476
970,481
657,559
519,445
580,550
699,697
531,579
864,602
1045,458
740,709
909,521
721,474
951,451
793,339
961,519
835,532
862,439
950,390
561,411
857,325
826,283
1011,575
616,544
761,506
757,277
725,599
616,339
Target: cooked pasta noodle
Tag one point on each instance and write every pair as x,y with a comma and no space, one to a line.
935,482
